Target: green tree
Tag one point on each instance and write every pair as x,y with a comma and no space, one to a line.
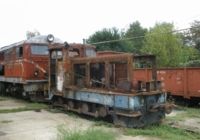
195,34
135,30
107,35
190,56
166,45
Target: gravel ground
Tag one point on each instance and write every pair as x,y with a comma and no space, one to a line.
190,124
7,103
43,125
31,125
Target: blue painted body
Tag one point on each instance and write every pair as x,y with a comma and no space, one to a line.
115,100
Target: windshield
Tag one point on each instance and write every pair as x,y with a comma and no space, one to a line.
90,52
39,49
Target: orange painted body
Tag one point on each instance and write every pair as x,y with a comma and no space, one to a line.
24,67
178,81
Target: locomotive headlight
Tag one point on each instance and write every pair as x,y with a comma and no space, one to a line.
50,38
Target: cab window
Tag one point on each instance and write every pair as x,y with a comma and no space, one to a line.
90,52
39,49
56,55
19,52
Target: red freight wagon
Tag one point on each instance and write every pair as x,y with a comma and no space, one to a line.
183,82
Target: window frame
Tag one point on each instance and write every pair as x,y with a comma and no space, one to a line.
19,51
37,54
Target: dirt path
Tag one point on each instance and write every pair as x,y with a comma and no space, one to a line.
33,125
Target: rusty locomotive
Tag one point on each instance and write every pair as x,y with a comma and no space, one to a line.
100,84
80,79
24,67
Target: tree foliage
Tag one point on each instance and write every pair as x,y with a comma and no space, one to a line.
171,48
107,35
195,34
191,37
190,56
135,30
166,45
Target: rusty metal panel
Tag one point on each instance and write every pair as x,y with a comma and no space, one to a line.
116,68
172,80
107,53
25,66
121,71
21,61
141,75
112,58
193,80
178,81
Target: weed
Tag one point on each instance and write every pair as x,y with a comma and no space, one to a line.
192,112
30,106
6,121
164,132
3,98
186,112
90,134
103,123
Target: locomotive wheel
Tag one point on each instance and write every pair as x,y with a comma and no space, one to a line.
2,89
84,108
102,111
60,101
130,122
71,104
119,121
168,110
57,101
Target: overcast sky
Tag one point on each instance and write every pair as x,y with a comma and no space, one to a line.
73,20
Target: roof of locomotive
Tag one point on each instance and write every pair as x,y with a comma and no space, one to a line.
72,46
41,39
81,45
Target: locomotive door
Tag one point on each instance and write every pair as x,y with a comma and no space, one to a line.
55,68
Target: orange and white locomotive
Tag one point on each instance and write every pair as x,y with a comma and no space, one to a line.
24,67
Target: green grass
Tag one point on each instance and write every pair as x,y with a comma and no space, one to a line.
6,121
29,106
167,132
103,123
61,110
192,112
187,112
3,98
90,134
164,132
